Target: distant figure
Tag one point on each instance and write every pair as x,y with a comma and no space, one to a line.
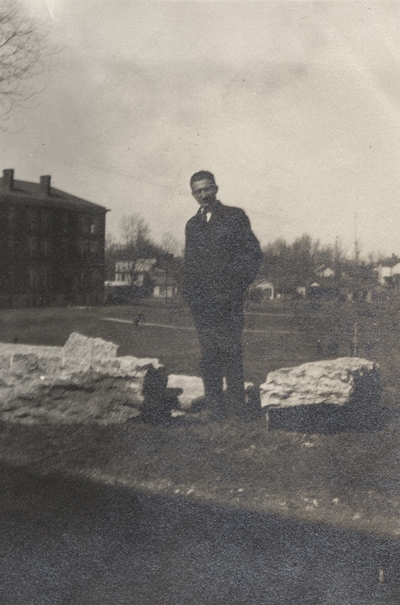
319,349
333,348
139,318
222,258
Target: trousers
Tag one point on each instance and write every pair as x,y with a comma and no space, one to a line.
219,327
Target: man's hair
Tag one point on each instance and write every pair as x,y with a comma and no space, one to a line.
202,176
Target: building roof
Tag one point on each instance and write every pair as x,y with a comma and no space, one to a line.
27,191
264,285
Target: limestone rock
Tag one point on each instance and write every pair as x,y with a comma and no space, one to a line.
84,347
190,387
82,382
335,381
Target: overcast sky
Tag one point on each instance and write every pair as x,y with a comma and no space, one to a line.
295,106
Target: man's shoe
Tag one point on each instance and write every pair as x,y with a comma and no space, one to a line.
198,405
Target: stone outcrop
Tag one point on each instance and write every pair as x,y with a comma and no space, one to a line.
82,347
187,392
340,382
84,381
188,389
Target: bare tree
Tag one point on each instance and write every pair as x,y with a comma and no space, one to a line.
136,245
135,232
22,49
170,244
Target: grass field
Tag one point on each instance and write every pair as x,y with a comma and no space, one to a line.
345,479
275,336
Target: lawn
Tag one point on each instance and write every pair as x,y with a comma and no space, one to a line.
348,479
276,335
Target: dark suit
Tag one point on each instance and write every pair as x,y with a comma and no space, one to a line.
222,258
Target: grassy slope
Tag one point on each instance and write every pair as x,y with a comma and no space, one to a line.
281,471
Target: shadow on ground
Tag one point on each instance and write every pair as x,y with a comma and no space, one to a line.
75,542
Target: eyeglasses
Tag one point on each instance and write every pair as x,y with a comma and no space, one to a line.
209,189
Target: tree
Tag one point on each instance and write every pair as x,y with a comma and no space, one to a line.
136,244
291,265
170,244
110,256
135,232
22,48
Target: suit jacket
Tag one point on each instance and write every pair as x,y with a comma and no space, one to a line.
222,257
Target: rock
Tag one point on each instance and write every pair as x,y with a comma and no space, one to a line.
190,387
84,347
82,382
335,381
190,390
24,364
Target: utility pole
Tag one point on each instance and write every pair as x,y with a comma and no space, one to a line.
356,246
336,260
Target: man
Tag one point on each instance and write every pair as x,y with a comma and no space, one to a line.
222,258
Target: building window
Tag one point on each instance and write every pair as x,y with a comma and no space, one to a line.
45,277
33,219
32,247
33,278
84,223
65,221
11,244
93,227
64,248
96,280
45,248
45,220
83,249
94,250
11,219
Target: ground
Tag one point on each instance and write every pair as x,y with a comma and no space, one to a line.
339,480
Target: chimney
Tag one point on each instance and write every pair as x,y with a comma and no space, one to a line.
8,179
45,184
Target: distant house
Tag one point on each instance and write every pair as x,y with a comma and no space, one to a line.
263,290
301,291
164,285
133,272
385,274
326,272
141,278
396,274
51,245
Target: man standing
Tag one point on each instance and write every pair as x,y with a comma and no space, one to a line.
222,258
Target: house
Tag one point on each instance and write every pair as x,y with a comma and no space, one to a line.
396,274
263,290
51,245
385,274
164,284
143,278
133,272
326,272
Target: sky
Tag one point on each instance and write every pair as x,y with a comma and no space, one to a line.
294,106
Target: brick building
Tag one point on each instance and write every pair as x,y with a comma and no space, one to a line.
51,245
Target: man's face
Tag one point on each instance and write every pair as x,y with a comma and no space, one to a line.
205,192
